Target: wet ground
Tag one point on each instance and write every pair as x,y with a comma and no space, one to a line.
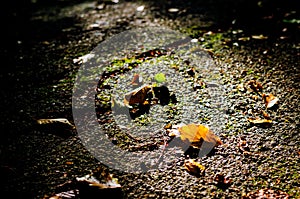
257,40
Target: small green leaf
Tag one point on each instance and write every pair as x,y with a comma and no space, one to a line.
160,77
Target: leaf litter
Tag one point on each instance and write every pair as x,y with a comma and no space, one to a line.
269,100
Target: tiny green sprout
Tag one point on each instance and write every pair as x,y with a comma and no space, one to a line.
160,77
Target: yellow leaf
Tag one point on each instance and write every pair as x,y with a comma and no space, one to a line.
193,167
197,133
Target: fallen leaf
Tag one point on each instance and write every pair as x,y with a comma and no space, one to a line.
137,96
193,167
58,126
222,181
266,115
244,38
197,133
93,182
168,126
259,121
270,100
266,193
160,77
255,86
62,121
136,80
259,37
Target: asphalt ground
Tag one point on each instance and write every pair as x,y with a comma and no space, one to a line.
246,40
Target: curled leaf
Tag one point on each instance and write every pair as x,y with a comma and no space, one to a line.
137,96
197,133
259,121
270,100
193,167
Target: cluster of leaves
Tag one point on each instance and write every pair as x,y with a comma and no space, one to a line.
269,100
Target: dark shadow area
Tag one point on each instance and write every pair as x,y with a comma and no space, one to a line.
254,16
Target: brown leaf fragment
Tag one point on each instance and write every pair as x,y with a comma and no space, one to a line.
194,167
270,100
197,133
136,80
266,193
137,96
243,145
259,121
255,86
222,181
266,115
168,126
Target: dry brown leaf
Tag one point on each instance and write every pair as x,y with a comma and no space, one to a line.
270,100
138,95
136,80
259,121
255,86
222,181
193,167
195,133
